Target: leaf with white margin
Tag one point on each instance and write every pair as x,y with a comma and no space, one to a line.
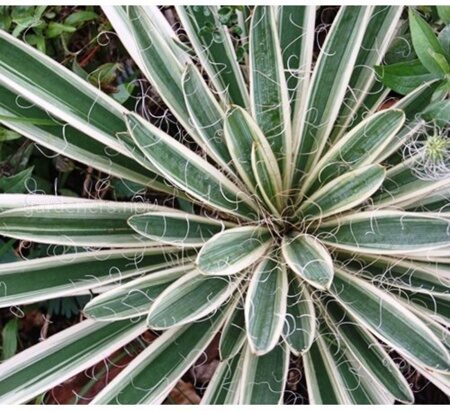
233,334
264,377
353,385
150,377
206,115
96,223
309,259
191,297
9,201
404,186
40,279
156,59
242,134
233,250
59,91
118,17
296,30
391,322
266,171
433,306
188,171
300,323
61,356
368,352
381,30
133,298
387,232
422,277
359,147
215,51
223,388
323,381
265,304
36,124
177,228
268,89
329,81
343,193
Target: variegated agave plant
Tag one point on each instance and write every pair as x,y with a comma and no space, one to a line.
309,235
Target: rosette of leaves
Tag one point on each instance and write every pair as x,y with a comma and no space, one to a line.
307,237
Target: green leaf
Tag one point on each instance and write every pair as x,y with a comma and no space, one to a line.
77,18
61,356
387,232
233,335
368,352
309,259
343,193
359,147
264,377
405,76
55,29
134,298
329,82
17,183
190,298
94,223
233,250
105,74
206,115
177,228
380,312
41,279
300,322
425,42
444,13
268,89
10,337
188,171
214,47
265,305
26,17
150,377
8,135
441,61
444,39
